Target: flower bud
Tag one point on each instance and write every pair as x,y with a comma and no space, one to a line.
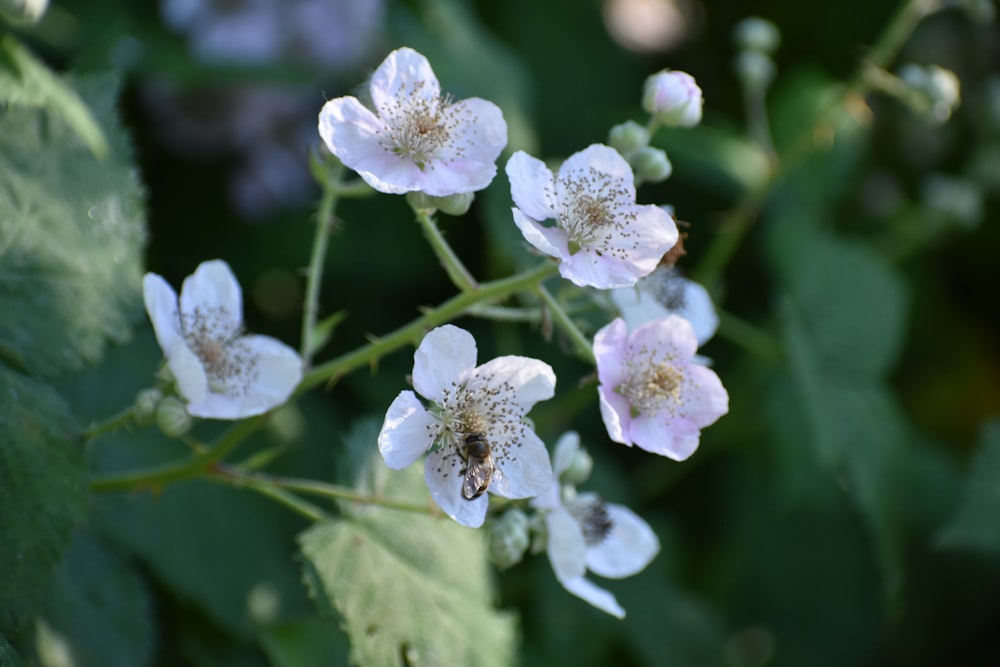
939,88
756,34
628,137
457,204
673,98
145,405
509,538
651,165
579,468
23,12
172,417
754,68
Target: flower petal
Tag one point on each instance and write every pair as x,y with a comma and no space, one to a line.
467,162
594,595
616,413
566,547
551,241
408,431
604,159
446,490
213,292
190,378
532,186
532,380
403,73
637,306
672,335
444,358
629,547
161,304
705,399
527,471
566,450
676,438
698,309
610,346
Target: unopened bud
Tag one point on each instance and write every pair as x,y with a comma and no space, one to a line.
651,165
579,468
509,538
939,88
457,204
628,137
172,417
23,12
145,405
756,34
755,69
673,98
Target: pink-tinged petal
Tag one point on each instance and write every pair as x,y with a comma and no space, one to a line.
705,399
444,359
615,411
526,468
673,335
446,489
161,304
404,73
610,347
531,380
594,595
676,439
628,548
565,547
532,187
408,431
551,241
606,160
214,291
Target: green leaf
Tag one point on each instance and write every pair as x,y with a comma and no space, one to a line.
975,524
25,81
71,237
8,656
307,642
717,156
43,493
412,589
99,606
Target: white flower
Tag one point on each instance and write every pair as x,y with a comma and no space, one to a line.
666,292
602,238
586,533
673,98
416,140
221,372
477,413
653,392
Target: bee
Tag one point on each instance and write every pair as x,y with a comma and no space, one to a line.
479,465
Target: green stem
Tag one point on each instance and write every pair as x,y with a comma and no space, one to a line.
737,224
755,104
459,275
412,332
314,277
582,344
269,489
123,418
176,471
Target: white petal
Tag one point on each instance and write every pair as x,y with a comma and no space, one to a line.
657,232
403,73
213,289
566,450
590,268
551,241
699,310
467,162
594,595
445,485
637,306
531,379
189,376
532,186
566,547
444,358
527,470
407,432
277,372
629,547
161,304
603,159
615,411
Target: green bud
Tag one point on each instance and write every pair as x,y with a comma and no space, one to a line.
628,137
509,538
938,91
146,402
757,34
755,69
957,200
651,165
451,205
23,12
579,469
172,417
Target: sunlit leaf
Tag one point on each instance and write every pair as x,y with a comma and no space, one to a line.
412,589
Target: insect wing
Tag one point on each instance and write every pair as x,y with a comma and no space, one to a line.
478,474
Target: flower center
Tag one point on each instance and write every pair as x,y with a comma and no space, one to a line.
652,385
486,407
596,213
418,127
229,364
592,515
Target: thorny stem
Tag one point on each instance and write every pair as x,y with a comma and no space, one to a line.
580,342
123,418
314,277
459,275
271,490
735,226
